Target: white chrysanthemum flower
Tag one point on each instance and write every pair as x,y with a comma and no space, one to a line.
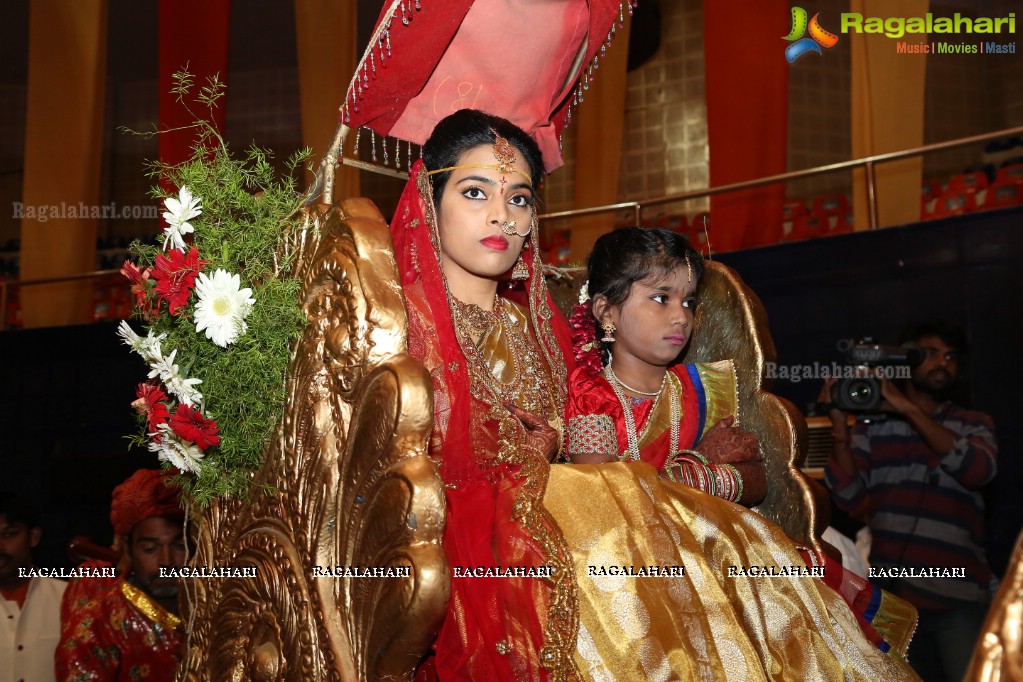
584,292
179,212
128,335
222,308
148,347
177,385
183,454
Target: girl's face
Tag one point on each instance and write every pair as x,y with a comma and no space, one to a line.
475,203
656,321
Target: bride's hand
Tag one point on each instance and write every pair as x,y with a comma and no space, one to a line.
539,434
727,444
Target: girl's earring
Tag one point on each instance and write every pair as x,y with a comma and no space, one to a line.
609,332
521,270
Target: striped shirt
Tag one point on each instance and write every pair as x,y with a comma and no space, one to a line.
926,510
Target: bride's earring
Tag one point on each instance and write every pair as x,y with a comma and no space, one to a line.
609,332
521,270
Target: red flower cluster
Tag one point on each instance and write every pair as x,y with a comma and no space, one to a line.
139,287
175,276
192,426
151,404
584,337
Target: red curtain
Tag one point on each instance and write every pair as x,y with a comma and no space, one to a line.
192,32
747,117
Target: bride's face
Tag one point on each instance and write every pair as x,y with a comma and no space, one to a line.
475,203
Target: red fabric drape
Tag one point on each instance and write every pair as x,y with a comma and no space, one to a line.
195,33
494,485
747,117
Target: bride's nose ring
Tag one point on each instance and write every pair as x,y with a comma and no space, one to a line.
509,229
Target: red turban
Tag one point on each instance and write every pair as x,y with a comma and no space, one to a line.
146,493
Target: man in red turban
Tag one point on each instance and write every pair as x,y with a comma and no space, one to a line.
129,629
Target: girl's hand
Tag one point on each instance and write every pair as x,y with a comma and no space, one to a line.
726,444
539,434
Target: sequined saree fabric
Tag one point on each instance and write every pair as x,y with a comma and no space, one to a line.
705,624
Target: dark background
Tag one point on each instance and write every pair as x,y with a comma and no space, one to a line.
966,270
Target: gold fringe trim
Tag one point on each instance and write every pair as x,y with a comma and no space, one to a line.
149,608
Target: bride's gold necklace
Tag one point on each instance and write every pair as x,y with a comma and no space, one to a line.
530,387
631,433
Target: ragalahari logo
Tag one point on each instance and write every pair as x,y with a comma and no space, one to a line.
819,37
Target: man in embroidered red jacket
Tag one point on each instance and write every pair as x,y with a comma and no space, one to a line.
129,630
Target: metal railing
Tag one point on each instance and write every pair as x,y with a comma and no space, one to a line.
868,163
5,287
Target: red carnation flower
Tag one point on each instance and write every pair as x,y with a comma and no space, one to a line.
190,425
175,275
139,287
151,403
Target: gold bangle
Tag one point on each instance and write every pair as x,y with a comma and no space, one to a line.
694,453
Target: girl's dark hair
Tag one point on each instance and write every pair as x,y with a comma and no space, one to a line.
629,255
466,129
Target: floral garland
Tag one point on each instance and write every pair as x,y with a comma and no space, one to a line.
178,433
584,337
220,306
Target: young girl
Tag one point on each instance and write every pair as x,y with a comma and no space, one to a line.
628,399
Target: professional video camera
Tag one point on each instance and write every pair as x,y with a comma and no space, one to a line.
868,361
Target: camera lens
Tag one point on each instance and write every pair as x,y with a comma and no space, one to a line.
857,394
860,392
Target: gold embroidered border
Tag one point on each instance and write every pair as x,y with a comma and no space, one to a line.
149,608
722,391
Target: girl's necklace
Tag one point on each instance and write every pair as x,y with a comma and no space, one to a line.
631,433
624,385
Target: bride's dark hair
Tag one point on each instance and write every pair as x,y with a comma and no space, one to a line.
466,129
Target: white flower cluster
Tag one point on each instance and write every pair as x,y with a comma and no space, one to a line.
584,292
183,454
179,212
222,308
164,367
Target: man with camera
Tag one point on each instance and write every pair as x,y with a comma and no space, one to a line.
917,475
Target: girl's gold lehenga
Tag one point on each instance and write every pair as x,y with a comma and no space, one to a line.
702,625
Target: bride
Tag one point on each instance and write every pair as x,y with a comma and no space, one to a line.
482,322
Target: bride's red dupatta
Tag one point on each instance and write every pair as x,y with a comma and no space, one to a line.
496,628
